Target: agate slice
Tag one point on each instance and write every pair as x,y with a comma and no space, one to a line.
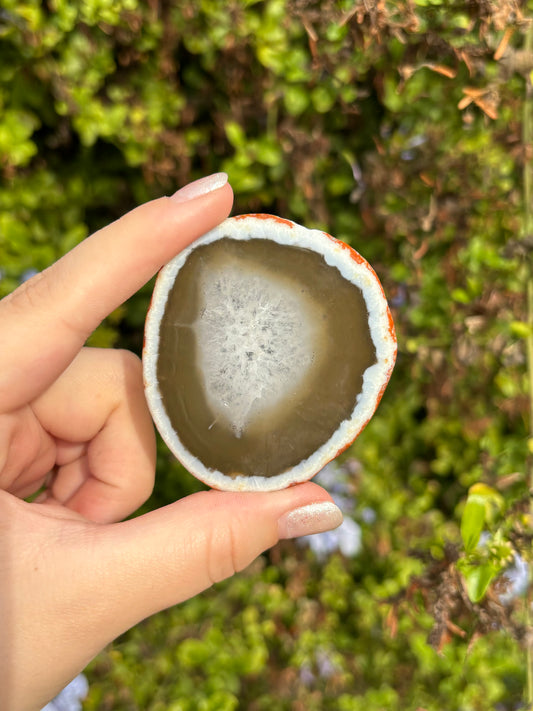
267,349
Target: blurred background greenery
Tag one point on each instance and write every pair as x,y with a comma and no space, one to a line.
401,128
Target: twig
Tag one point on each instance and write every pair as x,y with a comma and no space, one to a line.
527,141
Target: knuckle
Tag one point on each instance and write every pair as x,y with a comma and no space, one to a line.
130,361
122,371
130,367
28,296
223,554
45,292
20,444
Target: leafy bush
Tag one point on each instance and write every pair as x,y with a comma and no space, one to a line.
398,128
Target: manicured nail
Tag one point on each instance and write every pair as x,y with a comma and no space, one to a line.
200,187
313,518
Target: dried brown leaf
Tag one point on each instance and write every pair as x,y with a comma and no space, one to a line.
503,43
487,108
465,101
442,69
392,621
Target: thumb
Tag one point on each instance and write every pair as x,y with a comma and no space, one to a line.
74,586
167,556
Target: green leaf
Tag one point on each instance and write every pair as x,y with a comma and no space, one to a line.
322,98
478,578
482,501
296,99
461,295
520,329
493,500
235,134
268,152
473,522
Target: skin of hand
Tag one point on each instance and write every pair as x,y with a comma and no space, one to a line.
74,575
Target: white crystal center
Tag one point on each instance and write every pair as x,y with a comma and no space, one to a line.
256,340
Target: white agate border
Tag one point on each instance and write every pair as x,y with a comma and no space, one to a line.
375,377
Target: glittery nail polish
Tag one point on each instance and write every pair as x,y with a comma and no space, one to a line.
313,518
200,187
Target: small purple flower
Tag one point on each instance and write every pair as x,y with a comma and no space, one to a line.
345,503
400,298
321,666
360,184
332,478
322,544
518,578
326,668
346,539
417,141
70,699
338,478
27,274
349,537
368,515
484,539
306,675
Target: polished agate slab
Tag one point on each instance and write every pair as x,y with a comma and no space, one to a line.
262,354
258,352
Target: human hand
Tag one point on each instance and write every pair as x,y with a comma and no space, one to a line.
75,420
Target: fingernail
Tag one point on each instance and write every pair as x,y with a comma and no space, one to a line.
200,187
313,518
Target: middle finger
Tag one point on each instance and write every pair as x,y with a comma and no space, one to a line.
98,406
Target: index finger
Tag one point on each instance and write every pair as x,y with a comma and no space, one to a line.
46,321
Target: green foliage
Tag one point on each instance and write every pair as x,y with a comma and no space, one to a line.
291,645
477,513
393,126
484,562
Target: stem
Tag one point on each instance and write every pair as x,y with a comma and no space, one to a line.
529,290
527,142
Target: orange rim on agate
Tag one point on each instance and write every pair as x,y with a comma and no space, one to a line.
268,347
